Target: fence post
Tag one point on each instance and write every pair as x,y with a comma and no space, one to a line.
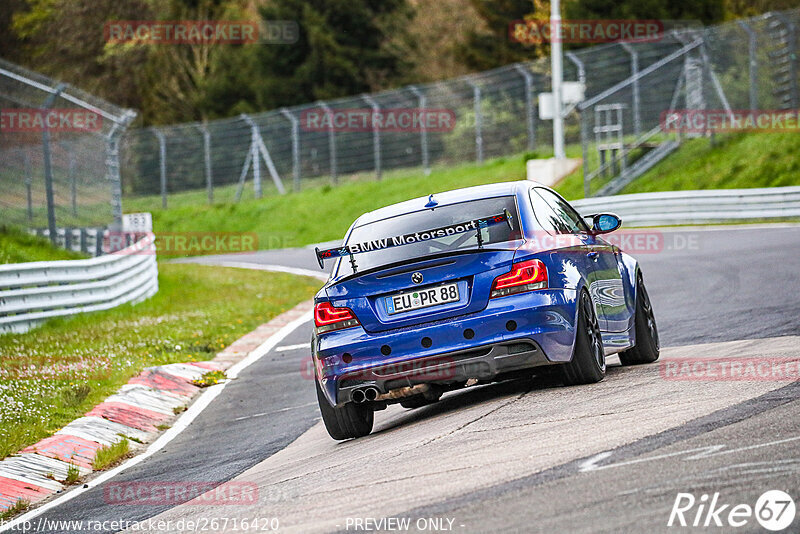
637,119
254,158
583,113
423,131
331,141
376,134
295,147
207,161
113,167
529,114
162,165
48,169
753,62
26,159
791,29
73,186
476,95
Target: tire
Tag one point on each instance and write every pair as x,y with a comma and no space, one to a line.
647,348
588,364
345,422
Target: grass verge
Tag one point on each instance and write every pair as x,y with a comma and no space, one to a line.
17,246
111,455
20,506
54,374
321,213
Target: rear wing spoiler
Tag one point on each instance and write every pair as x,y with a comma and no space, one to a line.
417,237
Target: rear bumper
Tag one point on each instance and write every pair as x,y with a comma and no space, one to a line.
511,333
481,363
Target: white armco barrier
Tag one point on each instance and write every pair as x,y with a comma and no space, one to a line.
32,292
697,207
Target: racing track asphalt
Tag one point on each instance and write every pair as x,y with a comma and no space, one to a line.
509,456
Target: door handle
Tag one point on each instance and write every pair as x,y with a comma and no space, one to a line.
593,255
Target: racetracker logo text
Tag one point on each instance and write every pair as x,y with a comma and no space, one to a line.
181,32
385,120
531,32
54,120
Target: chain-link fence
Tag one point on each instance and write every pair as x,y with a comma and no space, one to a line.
615,129
59,151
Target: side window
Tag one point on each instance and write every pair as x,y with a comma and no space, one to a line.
572,222
548,219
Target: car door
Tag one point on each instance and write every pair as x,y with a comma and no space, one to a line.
603,274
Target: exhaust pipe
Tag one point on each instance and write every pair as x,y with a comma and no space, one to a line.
358,396
371,394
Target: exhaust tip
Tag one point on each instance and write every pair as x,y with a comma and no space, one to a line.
358,396
371,394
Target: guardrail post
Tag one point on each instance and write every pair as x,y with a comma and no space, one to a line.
331,141
376,134
423,131
637,119
295,147
162,165
529,112
48,169
753,62
476,96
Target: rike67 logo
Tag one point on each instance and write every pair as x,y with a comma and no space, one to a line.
774,510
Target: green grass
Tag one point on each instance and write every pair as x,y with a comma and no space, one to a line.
20,506
736,161
73,475
322,213
111,455
56,373
730,162
319,213
210,378
17,246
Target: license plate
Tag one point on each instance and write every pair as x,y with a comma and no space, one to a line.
421,298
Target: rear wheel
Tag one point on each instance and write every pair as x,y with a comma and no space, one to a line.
588,363
345,422
647,346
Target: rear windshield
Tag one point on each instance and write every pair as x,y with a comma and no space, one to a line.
426,220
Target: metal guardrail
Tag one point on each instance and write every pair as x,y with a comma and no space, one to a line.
31,293
697,207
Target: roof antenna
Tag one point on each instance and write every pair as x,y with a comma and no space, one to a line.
432,202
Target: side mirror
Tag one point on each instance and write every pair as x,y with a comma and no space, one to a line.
604,223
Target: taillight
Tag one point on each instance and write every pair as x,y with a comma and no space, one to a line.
524,276
328,318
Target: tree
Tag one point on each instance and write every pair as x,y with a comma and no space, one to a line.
492,46
345,47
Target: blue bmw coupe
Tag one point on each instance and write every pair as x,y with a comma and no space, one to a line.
472,286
